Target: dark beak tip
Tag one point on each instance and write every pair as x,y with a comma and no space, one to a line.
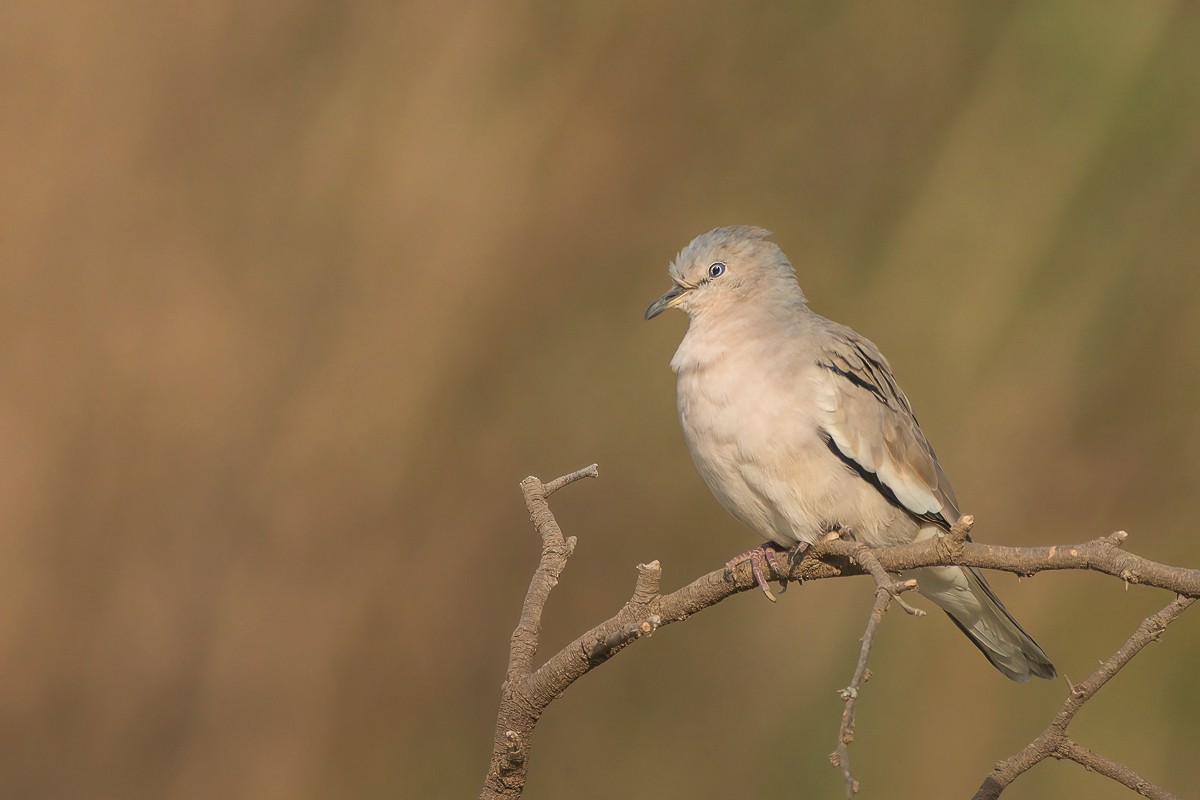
663,303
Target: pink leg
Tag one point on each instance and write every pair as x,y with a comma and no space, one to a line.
759,556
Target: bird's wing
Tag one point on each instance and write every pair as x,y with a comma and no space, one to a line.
867,422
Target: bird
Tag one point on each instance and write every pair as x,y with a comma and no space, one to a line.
799,429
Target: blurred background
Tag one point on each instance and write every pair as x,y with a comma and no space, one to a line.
295,294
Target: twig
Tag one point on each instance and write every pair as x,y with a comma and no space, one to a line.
644,591
1094,762
553,486
1054,741
886,590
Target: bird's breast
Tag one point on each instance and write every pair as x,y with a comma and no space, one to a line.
749,425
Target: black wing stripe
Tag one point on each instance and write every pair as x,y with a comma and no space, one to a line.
873,479
856,379
879,370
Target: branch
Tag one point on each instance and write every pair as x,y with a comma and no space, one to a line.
519,711
1100,555
1055,742
526,694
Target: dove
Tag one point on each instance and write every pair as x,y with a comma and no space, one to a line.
799,429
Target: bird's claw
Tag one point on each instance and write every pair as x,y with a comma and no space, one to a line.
759,556
797,553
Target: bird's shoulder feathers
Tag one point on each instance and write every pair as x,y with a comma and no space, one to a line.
868,423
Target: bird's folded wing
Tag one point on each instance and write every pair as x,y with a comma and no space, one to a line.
869,424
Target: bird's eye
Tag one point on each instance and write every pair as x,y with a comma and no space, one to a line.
716,270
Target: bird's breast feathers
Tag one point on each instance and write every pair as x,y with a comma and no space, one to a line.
758,452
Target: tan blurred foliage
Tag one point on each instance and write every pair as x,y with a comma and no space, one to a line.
294,294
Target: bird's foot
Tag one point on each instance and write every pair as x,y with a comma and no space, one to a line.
796,554
759,556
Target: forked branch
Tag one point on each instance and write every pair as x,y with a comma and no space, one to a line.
527,692
1054,741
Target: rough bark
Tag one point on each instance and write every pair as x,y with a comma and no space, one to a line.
527,690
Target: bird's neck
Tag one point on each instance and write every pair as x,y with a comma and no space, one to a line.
713,337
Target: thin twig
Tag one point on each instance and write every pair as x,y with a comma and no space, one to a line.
886,590
1094,762
553,486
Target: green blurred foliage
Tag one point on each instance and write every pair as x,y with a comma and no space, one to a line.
294,294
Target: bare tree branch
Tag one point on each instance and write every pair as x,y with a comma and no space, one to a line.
1054,740
520,703
527,692
1100,555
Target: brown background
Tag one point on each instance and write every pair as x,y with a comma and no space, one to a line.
294,294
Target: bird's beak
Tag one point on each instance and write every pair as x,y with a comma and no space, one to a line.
668,300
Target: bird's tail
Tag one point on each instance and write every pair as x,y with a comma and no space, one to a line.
967,599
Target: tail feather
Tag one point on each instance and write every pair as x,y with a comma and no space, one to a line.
968,600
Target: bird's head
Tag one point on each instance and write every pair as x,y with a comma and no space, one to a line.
726,266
